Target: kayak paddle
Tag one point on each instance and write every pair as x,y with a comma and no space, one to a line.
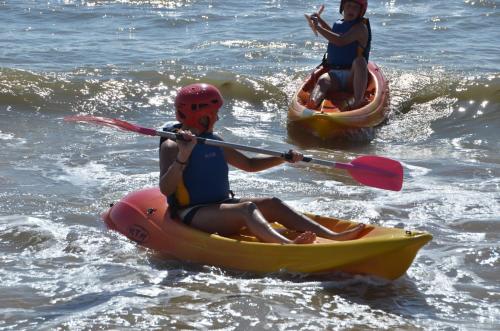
309,20
370,170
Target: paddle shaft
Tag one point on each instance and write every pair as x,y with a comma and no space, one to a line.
219,143
309,20
369,170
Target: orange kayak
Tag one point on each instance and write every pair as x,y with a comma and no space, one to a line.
333,118
143,217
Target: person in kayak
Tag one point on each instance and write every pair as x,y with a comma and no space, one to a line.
194,178
349,42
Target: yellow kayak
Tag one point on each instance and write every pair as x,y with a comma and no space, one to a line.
143,217
333,118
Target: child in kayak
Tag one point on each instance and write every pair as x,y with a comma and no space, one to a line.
194,178
348,50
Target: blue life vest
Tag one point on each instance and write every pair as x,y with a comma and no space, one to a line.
205,179
341,57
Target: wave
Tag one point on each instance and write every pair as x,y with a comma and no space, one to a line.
422,103
111,90
443,105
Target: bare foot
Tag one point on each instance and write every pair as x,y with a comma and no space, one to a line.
307,237
350,234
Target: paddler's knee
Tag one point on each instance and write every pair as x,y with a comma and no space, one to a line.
248,207
324,82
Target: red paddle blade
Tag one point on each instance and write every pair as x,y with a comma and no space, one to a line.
113,122
377,171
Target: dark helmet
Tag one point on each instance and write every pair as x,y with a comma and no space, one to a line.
362,3
196,101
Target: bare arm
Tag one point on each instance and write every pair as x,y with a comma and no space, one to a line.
359,33
322,23
257,163
173,159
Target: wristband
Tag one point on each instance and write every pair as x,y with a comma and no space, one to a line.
181,163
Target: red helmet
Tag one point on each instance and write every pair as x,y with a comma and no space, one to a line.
363,4
196,101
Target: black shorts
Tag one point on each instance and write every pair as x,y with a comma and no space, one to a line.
187,214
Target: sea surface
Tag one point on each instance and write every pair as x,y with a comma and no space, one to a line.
61,269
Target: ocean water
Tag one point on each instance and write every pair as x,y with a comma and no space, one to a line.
60,269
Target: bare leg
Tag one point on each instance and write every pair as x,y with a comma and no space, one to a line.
227,219
274,209
322,87
359,78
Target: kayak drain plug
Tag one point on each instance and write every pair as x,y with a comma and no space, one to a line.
151,211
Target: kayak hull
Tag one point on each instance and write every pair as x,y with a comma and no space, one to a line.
143,217
332,119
